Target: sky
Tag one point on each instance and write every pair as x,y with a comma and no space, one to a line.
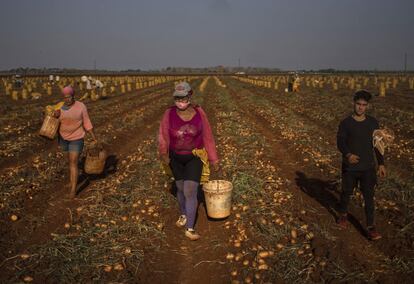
154,34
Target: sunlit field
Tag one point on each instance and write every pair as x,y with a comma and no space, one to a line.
277,147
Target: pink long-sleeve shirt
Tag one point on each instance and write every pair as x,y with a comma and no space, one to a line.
74,122
202,136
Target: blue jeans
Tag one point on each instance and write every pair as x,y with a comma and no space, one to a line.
71,146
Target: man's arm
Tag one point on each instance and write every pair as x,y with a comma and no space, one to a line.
380,158
381,167
341,140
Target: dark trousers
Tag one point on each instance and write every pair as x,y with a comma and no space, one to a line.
367,181
186,167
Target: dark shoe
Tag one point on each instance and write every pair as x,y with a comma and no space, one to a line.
342,221
373,234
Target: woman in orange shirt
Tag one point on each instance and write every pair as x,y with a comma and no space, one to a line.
74,123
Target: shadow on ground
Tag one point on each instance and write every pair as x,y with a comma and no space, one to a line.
326,192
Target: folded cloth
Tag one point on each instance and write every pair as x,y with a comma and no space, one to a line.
205,173
50,109
382,138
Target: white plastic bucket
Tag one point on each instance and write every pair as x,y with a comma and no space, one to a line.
217,195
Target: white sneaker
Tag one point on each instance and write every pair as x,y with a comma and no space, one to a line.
182,220
191,234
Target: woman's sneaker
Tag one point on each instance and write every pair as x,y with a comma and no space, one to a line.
191,234
182,220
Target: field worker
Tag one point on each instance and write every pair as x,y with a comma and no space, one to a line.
184,130
74,123
296,83
88,85
98,84
290,84
355,142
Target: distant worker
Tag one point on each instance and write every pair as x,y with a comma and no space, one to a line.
185,137
98,84
74,123
355,142
98,87
88,85
290,85
18,81
296,83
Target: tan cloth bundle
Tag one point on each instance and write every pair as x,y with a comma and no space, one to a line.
50,109
383,138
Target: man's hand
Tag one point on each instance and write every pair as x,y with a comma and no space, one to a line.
353,159
381,171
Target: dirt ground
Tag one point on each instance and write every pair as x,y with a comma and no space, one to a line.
279,151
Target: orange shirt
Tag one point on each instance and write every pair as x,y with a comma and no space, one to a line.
74,122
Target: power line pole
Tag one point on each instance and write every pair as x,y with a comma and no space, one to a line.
405,62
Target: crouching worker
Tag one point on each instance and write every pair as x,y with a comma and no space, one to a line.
74,123
184,133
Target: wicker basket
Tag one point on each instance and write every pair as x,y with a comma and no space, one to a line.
49,127
95,161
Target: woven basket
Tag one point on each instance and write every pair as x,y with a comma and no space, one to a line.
49,127
95,161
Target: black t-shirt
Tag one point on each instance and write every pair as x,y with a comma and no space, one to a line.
355,137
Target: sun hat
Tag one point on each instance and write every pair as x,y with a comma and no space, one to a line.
182,89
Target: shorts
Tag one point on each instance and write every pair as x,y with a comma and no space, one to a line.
71,146
186,167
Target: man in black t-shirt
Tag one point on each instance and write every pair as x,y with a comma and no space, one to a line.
354,139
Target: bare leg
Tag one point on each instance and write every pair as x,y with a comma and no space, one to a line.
67,186
74,171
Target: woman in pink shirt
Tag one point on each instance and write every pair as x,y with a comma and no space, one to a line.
74,123
185,127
